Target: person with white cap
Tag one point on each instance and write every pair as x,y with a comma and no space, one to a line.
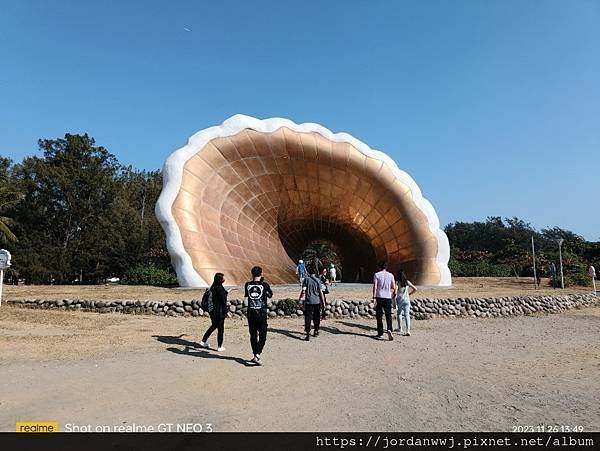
301,271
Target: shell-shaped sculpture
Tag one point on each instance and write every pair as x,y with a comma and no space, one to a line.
257,192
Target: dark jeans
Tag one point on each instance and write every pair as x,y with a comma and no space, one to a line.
216,323
257,324
312,312
383,305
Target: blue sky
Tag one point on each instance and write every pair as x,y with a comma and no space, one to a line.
493,107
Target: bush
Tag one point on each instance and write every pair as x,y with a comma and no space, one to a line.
149,274
481,268
288,306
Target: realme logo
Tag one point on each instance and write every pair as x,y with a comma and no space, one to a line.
37,426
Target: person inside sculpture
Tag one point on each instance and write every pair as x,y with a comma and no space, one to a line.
324,288
312,295
300,271
384,288
218,313
332,274
257,292
404,290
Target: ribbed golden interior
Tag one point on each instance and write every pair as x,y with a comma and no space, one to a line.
259,198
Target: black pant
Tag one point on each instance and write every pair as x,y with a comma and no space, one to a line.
383,305
312,312
257,324
216,323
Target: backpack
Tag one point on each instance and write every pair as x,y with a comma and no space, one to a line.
207,301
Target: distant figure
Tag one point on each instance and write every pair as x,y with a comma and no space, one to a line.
218,313
553,275
301,271
332,274
592,274
324,288
359,274
404,290
312,295
257,293
384,288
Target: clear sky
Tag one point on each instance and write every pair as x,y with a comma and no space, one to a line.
493,107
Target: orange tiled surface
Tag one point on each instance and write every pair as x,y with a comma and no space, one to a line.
258,198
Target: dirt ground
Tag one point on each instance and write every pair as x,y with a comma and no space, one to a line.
462,287
450,375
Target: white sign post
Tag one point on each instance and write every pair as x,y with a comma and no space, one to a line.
4,264
592,273
560,241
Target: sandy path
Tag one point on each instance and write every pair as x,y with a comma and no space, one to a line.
451,375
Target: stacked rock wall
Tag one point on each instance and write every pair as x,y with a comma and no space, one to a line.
336,308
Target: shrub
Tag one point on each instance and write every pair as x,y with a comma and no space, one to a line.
288,305
479,268
149,274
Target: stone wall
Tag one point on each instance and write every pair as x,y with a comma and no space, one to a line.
336,308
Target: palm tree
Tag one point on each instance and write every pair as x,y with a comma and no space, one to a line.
320,254
7,199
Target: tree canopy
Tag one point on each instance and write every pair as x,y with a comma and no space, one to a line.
502,247
83,217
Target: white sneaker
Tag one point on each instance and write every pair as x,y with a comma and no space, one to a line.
390,336
221,349
204,345
407,334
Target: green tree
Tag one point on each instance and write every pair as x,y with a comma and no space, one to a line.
9,197
321,254
68,194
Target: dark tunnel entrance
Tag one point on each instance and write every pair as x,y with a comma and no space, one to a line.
356,255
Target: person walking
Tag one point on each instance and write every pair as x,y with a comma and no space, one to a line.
384,289
404,290
301,271
312,295
257,292
218,313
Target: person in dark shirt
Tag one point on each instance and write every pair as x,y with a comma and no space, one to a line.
257,292
312,295
219,313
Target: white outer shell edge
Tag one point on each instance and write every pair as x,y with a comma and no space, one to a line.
173,174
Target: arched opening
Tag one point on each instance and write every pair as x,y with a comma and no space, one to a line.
357,258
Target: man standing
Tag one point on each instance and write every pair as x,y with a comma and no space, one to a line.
257,292
300,271
384,288
313,296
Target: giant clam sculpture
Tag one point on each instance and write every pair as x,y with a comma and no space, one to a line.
257,192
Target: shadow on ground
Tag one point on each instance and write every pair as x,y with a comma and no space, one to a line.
288,333
190,349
